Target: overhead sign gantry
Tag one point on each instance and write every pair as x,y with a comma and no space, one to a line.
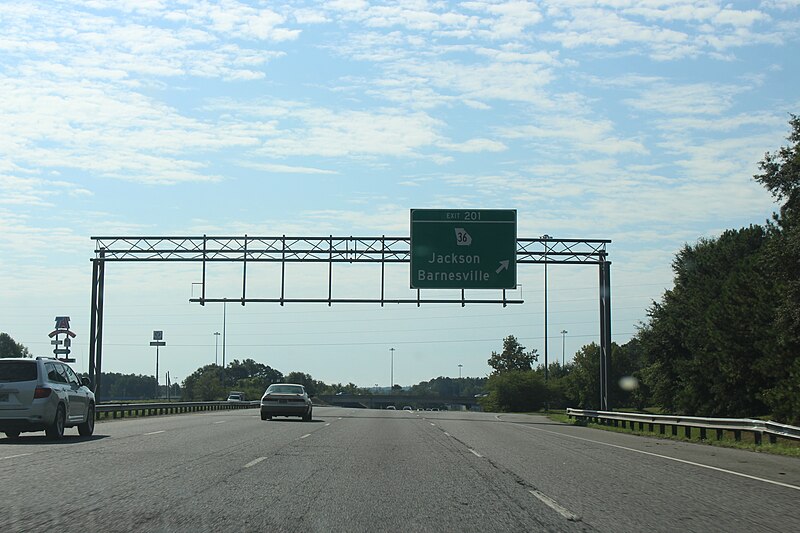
454,248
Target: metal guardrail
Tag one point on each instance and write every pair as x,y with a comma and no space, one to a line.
758,428
121,410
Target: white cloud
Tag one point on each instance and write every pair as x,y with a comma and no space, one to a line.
580,133
694,99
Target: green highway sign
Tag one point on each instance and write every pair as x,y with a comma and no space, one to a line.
463,248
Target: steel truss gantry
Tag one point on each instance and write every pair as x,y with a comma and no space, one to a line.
331,250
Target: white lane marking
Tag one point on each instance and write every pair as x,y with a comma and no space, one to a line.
476,454
446,433
684,461
432,424
14,456
254,462
306,435
221,422
155,432
328,424
339,418
551,503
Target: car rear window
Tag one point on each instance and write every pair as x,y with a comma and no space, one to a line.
285,389
11,371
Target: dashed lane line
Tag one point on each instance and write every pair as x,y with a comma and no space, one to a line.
476,454
306,435
15,456
254,462
552,504
156,432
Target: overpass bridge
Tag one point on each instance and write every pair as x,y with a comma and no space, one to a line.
382,401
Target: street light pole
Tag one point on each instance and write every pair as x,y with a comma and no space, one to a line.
459,371
563,340
391,375
546,246
216,347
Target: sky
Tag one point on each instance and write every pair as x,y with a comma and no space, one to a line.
638,122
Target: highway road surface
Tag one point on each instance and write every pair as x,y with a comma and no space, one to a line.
371,470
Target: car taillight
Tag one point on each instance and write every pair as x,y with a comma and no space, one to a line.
42,392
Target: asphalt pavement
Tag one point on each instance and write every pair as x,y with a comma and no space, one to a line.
372,470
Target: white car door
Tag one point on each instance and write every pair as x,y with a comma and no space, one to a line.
78,397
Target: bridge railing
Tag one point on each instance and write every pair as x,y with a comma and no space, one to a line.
121,410
758,428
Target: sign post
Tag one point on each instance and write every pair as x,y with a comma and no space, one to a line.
463,248
157,342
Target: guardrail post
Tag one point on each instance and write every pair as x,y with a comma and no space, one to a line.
703,435
757,437
651,427
773,439
687,431
737,435
662,428
720,434
674,431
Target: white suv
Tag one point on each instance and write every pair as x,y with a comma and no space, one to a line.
43,394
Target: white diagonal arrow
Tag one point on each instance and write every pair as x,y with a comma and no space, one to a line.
503,266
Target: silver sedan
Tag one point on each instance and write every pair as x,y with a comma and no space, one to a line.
286,399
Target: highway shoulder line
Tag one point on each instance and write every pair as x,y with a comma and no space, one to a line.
667,457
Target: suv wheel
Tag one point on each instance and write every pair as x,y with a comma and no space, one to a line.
87,428
307,417
56,430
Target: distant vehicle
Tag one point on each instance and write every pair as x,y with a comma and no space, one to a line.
286,399
43,394
407,408
236,396
391,408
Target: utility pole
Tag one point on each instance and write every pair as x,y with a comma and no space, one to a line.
563,340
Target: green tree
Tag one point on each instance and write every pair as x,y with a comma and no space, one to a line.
708,338
205,384
582,388
10,348
780,174
513,357
311,385
515,391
